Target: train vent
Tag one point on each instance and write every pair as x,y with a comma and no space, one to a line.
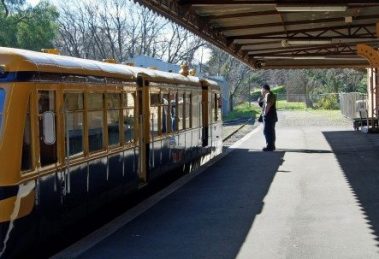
184,70
51,51
110,60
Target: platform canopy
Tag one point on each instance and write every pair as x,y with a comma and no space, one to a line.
280,33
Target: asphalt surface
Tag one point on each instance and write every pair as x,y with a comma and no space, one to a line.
315,197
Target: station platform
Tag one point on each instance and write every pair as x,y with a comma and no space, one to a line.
315,197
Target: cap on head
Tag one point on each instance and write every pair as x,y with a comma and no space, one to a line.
266,87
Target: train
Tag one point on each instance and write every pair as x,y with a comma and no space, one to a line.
76,134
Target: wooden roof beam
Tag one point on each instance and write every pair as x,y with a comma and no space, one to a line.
239,15
290,50
277,24
354,43
371,54
268,2
281,34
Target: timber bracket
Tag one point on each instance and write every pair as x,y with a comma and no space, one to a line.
371,54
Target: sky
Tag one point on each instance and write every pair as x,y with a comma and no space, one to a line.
33,2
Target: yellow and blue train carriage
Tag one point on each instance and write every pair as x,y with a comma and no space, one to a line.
76,134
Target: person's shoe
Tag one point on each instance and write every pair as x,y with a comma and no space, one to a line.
266,149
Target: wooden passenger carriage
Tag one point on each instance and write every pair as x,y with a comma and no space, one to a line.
76,134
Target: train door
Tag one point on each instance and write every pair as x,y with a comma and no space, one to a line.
205,114
48,152
47,149
143,105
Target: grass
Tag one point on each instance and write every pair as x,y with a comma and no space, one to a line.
292,106
243,111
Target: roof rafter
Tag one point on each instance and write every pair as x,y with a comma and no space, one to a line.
293,33
263,2
239,15
277,50
332,50
223,23
302,22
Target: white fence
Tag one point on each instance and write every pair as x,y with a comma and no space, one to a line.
351,103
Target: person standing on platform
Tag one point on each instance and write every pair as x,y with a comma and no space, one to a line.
270,117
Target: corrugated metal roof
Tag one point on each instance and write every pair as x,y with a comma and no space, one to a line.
260,34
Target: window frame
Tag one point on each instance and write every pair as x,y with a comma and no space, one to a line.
120,116
45,87
29,110
165,92
2,107
84,127
87,111
156,92
126,107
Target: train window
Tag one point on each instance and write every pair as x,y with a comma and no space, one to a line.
196,108
187,110
26,161
128,116
95,101
95,117
180,114
2,102
113,118
154,99
48,150
154,113
173,110
210,108
165,112
73,109
214,105
218,107
128,99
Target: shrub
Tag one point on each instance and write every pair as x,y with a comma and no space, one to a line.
327,102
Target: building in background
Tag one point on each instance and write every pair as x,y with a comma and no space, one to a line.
149,62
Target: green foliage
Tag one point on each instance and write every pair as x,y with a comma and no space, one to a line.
279,90
327,102
284,105
28,28
321,81
243,111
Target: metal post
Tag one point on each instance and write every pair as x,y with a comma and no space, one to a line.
249,90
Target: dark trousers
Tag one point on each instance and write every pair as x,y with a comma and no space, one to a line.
269,132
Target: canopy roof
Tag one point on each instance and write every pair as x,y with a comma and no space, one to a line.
280,33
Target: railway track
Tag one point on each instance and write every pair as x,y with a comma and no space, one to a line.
233,130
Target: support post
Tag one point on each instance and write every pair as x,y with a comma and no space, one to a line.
249,90
372,55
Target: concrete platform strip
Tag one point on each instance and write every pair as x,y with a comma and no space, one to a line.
99,235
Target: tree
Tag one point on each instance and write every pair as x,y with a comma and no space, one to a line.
235,73
27,27
121,30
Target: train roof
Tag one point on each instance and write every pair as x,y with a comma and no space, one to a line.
166,77
211,83
17,60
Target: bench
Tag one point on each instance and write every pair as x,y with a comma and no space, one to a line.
364,121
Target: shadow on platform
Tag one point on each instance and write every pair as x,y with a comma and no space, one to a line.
358,156
209,217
